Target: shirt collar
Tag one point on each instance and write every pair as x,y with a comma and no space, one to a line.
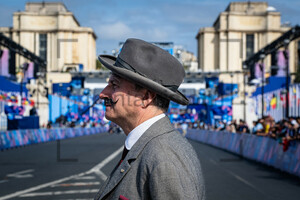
138,131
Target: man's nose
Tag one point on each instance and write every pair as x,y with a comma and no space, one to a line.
104,93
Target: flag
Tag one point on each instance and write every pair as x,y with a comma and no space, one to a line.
274,102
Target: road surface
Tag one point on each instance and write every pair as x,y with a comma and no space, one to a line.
33,172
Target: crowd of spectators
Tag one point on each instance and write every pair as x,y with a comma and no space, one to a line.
285,131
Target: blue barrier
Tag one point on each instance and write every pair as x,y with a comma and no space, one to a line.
28,122
261,149
16,138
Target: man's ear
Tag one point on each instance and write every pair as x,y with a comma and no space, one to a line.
148,98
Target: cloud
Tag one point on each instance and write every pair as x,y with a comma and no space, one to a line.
121,31
115,31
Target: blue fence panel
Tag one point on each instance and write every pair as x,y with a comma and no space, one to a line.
262,149
15,138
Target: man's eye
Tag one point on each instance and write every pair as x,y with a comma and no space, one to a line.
114,85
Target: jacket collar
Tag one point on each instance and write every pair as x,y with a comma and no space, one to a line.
160,127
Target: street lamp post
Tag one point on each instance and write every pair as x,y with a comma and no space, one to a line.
60,96
261,66
39,75
231,75
37,92
245,76
286,56
1,53
23,68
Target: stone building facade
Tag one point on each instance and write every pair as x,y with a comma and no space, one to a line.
239,32
52,32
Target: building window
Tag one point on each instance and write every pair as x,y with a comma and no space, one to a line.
249,45
43,46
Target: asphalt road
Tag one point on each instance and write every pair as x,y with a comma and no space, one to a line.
33,172
231,177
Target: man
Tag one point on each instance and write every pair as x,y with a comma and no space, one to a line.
160,163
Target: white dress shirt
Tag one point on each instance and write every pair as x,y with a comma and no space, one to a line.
138,131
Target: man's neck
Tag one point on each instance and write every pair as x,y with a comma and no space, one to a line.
144,116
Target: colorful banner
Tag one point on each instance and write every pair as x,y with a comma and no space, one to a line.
29,74
281,64
4,63
275,103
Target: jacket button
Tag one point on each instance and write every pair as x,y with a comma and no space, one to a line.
122,170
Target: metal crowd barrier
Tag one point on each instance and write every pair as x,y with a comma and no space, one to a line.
16,138
261,149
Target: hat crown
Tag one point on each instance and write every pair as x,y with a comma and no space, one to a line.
150,67
152,62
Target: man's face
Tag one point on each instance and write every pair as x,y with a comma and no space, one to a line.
125,100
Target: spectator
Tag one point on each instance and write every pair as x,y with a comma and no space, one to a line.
243,127
184,127
259,128
220,126
49,124
234,124
254,127
33,111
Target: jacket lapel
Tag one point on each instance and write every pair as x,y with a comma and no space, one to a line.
115,178
158,128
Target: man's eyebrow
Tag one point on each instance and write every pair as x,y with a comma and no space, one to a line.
114,79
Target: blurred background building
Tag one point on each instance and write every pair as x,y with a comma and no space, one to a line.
240,31
47,50
50,31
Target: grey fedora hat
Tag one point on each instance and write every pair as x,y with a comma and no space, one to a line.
150,67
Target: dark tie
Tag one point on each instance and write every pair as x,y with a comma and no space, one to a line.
125,151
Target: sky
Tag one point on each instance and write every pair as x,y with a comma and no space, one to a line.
176,21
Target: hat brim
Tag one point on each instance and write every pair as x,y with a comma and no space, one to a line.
109,62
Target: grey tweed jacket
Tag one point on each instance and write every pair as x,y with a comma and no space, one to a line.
161,165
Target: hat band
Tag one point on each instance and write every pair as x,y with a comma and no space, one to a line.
122,64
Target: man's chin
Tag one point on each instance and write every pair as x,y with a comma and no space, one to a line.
110,118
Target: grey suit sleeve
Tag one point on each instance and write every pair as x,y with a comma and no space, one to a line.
170,182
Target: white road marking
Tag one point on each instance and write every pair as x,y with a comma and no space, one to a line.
76,184
246,182
101,174
107,160
241,179
3,181
35,194
21,174
97,168
212,161
86,178
93,170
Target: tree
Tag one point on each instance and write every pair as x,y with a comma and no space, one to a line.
99,65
